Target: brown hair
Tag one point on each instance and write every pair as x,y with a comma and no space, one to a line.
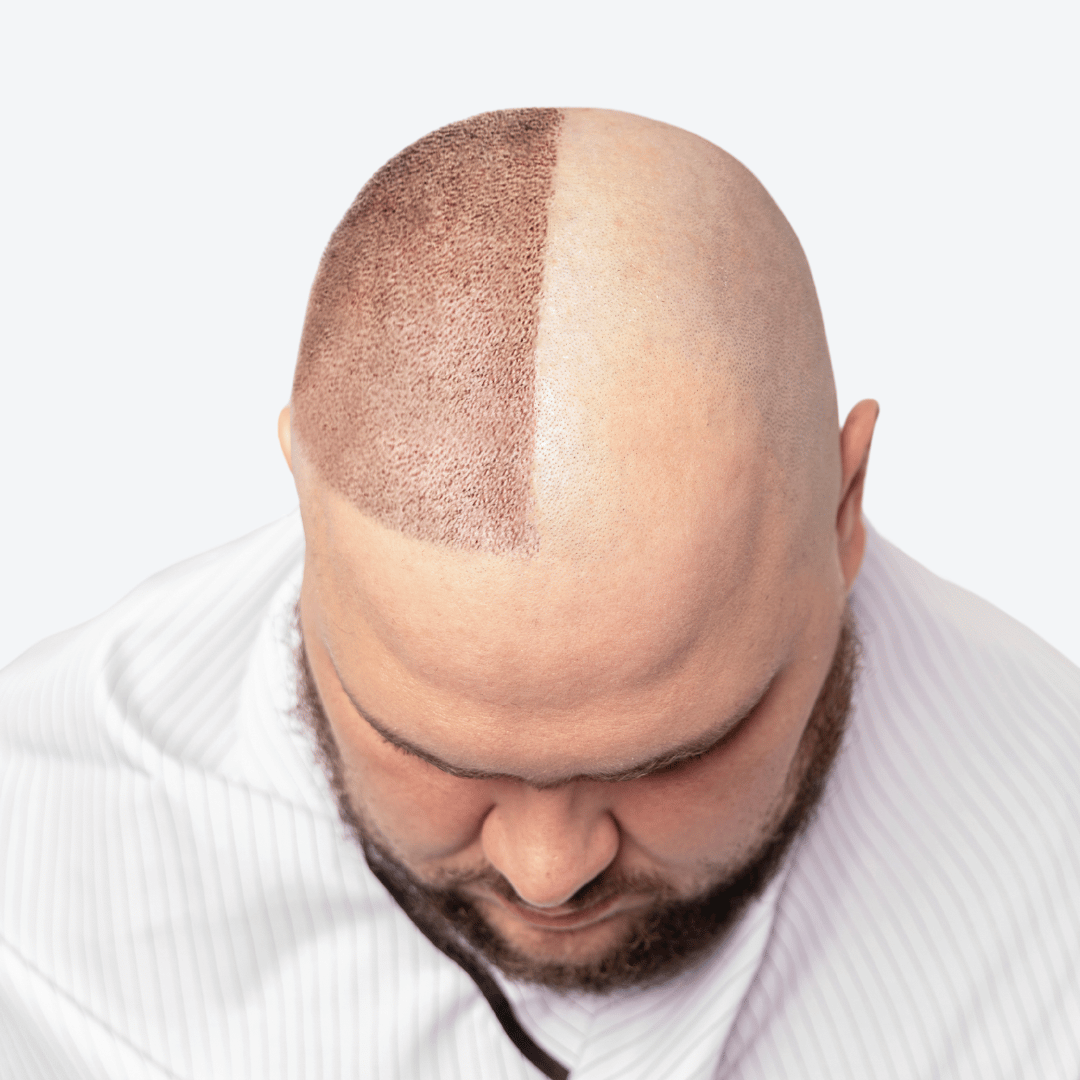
414,390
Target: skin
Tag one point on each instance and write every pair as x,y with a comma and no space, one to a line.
629,696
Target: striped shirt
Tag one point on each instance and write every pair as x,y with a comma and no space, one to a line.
178,897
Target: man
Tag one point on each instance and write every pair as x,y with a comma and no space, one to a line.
571,628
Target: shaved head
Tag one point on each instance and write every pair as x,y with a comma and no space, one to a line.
531,323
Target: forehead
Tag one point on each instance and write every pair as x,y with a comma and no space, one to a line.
444,646
545,682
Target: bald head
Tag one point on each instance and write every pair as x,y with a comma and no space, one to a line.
579,533
547,330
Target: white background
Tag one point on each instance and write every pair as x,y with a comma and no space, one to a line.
172,172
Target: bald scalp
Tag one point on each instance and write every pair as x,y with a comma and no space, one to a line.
546,329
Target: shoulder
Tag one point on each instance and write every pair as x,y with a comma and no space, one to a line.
931,915
170,647
960,672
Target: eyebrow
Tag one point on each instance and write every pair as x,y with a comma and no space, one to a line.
696,748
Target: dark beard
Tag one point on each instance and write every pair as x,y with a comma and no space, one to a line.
671,934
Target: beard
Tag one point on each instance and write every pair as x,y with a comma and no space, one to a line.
666,937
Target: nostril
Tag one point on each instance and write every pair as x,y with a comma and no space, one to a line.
587,892
589,889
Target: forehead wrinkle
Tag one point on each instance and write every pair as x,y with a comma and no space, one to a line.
699,747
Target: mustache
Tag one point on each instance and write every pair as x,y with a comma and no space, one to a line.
607,885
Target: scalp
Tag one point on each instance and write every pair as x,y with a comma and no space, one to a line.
680,345
414,390
557,330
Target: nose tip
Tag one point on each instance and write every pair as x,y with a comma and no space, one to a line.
549,849
558,902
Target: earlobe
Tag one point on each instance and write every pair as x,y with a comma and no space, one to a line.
284,431
855,440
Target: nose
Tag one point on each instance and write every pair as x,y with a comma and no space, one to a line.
549,843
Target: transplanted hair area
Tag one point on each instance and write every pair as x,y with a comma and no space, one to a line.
414,391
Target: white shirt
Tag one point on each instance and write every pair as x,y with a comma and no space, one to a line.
179,899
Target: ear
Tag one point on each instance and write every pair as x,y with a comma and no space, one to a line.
284,434
855,439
